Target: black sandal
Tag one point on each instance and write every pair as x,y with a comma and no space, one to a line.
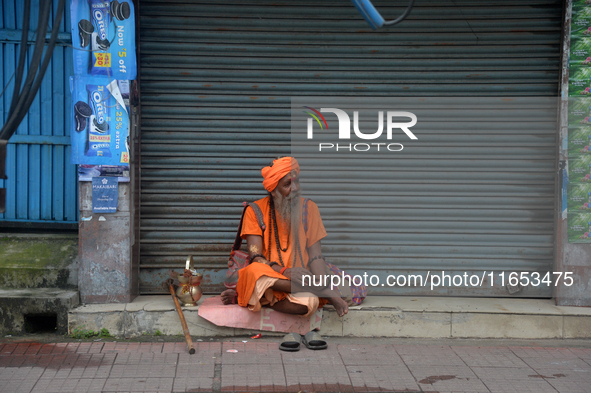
313,340
291,342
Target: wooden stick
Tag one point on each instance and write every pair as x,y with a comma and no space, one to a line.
183,321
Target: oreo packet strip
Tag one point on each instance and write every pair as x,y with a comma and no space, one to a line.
99,137
100,16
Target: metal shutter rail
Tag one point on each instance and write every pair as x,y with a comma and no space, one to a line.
216,83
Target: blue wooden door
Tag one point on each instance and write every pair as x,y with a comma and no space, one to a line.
42,184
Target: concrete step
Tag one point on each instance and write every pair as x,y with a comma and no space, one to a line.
29,310
42,261
378,316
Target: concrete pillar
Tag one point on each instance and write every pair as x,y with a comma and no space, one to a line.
106,273
109,253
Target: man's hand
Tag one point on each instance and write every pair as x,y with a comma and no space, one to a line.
296,275
261,260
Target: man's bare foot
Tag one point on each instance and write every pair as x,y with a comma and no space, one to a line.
340,305
228,296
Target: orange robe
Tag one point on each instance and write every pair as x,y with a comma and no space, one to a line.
250,275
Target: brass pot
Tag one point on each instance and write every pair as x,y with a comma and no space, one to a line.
189,292
196,279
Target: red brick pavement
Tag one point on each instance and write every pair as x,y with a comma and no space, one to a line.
259,366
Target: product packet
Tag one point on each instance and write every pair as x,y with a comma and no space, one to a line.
103,37
100,124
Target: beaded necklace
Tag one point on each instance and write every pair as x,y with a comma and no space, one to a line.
273,224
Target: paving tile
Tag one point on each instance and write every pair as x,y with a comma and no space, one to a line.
503,379
96,372
10,386
66,360
114,347
207,346
96,347
86,366
5,361
565,386
330,356
33,349
71,347
25,386
488,357
557,364
21,348
128,358
177,347
145,347
376,378
574,374
419,349
90,385
240,377
15,360
138,385
195,370
198,359
166,367
7,373
23,373
143,371
316,377
8,349
109,347
49,373
156,347
54,386
60,348
582,353
513,386
28,373
359,355
251,353
83,347
146,358
29,361
74,385
192,384
46,349
543,353
433,360
447,378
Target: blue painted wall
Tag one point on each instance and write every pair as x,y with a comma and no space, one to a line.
42,184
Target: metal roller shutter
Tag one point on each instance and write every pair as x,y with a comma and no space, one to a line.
217,78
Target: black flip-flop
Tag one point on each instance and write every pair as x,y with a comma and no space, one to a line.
313,340
291,342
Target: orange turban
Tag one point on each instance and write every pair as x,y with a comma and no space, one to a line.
278,170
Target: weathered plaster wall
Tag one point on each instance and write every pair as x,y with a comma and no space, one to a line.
106,274
29,261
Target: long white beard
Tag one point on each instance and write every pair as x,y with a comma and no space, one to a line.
289,208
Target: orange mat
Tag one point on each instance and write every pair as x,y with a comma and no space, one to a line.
232,315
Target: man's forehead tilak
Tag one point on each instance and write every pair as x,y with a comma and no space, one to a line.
293,176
